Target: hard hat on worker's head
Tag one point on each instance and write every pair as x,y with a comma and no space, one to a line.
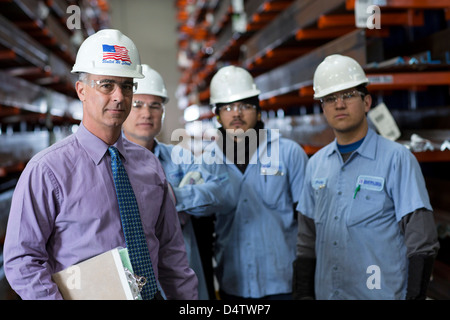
109,52
231,84
152,84
335,73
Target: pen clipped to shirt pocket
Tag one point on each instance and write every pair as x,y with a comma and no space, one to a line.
368,200
275,184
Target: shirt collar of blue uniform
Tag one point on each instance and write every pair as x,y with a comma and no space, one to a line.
367,149
156,148
94,146
347,148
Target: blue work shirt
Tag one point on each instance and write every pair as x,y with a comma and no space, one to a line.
196,199
356,207
256,241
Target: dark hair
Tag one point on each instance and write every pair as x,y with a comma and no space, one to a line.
363,89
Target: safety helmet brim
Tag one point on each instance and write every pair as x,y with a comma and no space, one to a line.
336,73
236,97
340,87
152,83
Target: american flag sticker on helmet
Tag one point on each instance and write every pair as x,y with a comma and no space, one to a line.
113,52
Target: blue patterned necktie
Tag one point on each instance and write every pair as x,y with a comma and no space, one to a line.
132,226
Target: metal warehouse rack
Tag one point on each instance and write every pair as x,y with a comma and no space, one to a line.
38,102
407,61
279,41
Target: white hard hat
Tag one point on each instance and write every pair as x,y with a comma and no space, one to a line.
109,52
230,84
152,84
335,73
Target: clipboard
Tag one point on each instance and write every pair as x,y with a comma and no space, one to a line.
108,276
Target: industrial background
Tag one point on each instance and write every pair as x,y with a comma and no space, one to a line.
405,51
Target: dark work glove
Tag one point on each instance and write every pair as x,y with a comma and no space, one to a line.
303,279
419,273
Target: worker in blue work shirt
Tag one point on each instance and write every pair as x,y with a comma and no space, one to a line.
195,190
366,228
255,242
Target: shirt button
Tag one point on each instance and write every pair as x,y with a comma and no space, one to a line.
335,243
339,193
336,217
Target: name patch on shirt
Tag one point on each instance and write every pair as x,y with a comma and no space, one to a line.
271,170
370,183
319,183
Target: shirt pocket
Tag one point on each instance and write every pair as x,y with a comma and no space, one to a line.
275,186
366,207
321,203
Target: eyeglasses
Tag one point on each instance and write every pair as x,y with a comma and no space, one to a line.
107,86
244,107
346,97
156,107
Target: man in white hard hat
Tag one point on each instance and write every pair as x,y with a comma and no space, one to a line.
65,208
255,241
366,229
196,191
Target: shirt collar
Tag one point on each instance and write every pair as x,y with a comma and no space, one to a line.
156,148
94,146
367,149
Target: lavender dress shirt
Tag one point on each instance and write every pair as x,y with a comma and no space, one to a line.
64,210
